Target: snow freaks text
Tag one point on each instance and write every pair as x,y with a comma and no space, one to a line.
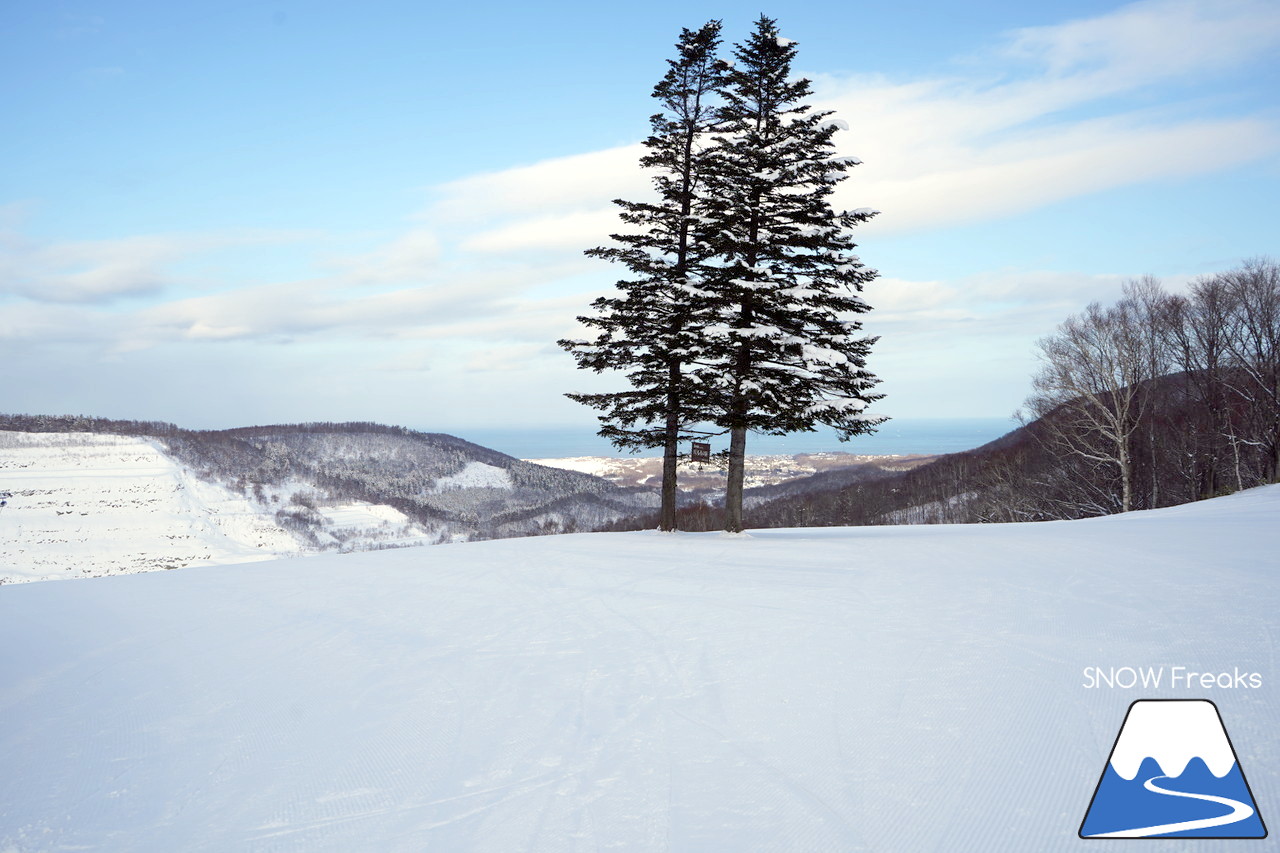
1175,677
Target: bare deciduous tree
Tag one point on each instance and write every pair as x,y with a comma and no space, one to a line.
1199,334
1088,390
1254,345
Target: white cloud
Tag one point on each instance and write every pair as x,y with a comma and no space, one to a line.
970,183
282,311
495,260
1032,125
412,257
522,319
86,272
418,360
957,151
490,305
571,231
48,323
557,205
967,346
505,358
105,271
1035,298
562,183
1151,40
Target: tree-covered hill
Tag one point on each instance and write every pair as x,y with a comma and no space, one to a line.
444,482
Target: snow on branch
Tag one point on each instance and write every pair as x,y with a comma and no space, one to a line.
839,404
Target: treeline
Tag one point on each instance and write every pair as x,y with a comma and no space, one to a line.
1160,399
955,488
84,423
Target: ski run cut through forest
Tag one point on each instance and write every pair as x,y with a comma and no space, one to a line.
892,689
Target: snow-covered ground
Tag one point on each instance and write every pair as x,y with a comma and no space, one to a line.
885,688
476,475
761,470
87,505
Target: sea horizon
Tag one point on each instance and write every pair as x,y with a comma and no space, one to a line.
898,437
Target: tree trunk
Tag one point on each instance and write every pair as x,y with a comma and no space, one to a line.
1126,479
1154,500
671,450
1208,480
1274,473
670,456
737,468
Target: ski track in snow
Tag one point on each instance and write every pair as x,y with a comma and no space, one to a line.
891,689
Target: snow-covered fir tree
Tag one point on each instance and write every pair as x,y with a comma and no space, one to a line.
784,352
647,329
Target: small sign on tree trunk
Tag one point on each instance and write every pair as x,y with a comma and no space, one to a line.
701,451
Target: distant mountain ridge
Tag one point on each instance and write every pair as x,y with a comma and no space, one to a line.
417,473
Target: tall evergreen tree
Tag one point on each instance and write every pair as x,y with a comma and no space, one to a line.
647,328
783,353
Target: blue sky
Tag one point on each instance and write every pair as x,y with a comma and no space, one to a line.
239,212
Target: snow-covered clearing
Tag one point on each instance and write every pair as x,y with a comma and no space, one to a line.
358,516
476,475
88,504
884,688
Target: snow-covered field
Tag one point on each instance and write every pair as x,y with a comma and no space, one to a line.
476,475
86,505
890,688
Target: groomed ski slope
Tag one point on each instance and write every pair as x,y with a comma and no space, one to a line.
887,688
87,504
94,504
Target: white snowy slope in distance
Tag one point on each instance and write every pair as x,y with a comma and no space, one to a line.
892,689
91,504
81,502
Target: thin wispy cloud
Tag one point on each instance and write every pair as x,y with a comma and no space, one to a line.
1035,124
108,271
566,183
1147,42
963,150
939,152
87,272
411,257
489,270
1031,126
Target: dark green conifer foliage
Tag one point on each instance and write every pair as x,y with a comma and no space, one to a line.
782,350
648,328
